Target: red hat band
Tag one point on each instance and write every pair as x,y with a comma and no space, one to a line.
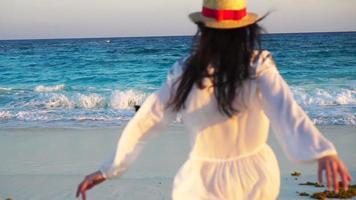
221,14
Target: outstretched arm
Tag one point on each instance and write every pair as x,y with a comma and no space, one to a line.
152,116
296,133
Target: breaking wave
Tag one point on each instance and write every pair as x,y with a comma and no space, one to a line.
325,106
126,99
116,99
91,101
325,97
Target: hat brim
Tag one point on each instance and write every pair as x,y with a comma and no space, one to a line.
197,17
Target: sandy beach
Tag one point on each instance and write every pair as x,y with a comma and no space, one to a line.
41,163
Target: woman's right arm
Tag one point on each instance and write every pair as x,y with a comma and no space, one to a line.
89,181
152,116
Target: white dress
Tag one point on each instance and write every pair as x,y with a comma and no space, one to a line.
229,157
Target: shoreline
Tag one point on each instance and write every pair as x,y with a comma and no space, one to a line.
121,126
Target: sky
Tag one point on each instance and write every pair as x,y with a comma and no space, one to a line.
40,19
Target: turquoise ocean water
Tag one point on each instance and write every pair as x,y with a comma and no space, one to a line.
94,82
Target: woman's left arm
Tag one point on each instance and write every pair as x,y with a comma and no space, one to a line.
296,133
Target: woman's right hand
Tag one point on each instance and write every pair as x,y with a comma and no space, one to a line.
90,181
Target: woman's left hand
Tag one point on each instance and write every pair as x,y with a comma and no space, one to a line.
90,181
334,169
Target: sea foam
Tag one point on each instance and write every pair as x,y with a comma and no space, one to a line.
59,101
42,88
5,89
5,115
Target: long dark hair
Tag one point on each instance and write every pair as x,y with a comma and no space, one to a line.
230,52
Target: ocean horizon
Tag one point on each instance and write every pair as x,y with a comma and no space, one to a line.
94,82
155,36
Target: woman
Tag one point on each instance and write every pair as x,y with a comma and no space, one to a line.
227,93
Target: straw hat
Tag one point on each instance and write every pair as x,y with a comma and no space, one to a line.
224,14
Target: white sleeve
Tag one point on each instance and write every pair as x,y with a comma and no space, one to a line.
296,133
150,118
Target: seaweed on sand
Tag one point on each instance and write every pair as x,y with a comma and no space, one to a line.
303,194
295,173
315,184
351,192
